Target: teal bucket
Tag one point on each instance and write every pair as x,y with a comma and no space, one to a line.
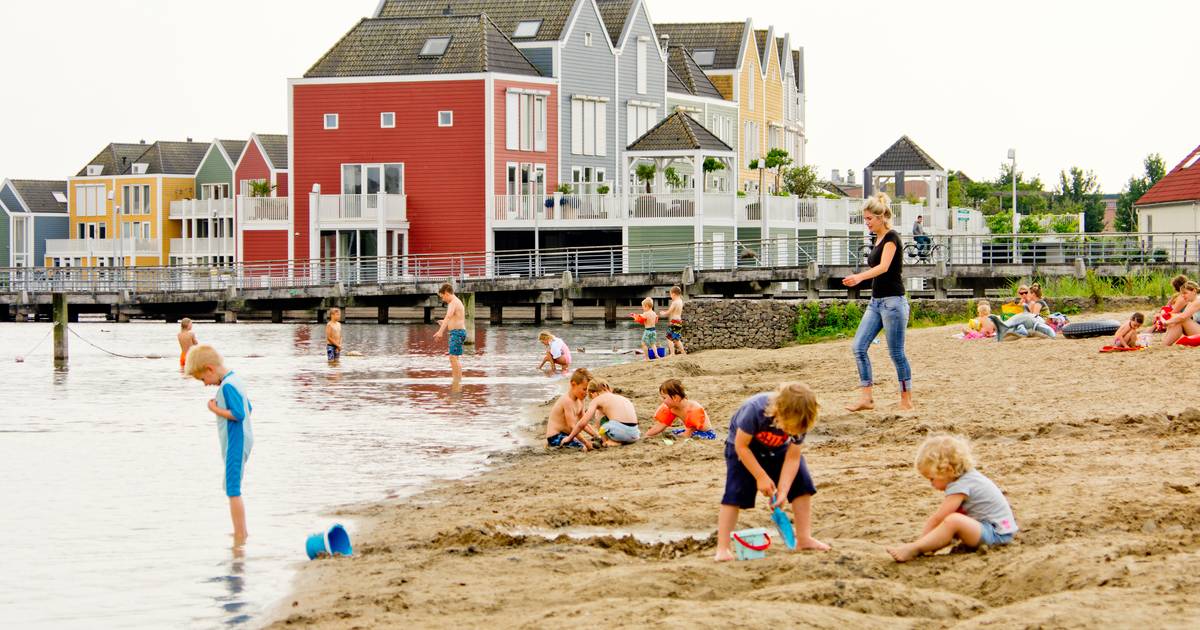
335,542
750,544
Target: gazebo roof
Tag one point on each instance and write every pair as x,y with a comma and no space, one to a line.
906,156
679,132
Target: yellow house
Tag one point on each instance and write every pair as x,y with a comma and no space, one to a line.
119,205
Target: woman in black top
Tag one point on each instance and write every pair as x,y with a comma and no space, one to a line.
888,308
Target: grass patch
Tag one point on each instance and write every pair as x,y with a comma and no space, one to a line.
840,320
1155,284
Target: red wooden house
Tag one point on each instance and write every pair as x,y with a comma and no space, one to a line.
263,221
402,135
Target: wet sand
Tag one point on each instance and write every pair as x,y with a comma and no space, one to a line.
1097,453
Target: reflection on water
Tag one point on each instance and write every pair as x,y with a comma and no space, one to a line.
112,469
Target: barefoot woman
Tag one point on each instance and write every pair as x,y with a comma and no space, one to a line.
888,308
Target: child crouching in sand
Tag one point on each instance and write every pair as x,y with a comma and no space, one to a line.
986,517
618,418
982,326
232,409
566,412
1127,334
558,355
763,456
676,405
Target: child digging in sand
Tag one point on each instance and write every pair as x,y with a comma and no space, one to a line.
675,405
763,456
618,418
232,409
1127,334
985,517
565,414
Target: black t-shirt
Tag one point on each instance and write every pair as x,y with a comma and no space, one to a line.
891,282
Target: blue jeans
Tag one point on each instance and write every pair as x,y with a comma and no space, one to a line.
889,314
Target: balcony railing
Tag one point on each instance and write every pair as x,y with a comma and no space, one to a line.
661,205
264,209
362,209
105,247
201,246
201,209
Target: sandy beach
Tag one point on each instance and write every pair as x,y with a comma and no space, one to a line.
1096,452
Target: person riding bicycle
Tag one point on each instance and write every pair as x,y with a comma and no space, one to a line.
919,235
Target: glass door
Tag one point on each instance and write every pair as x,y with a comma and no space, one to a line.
372,183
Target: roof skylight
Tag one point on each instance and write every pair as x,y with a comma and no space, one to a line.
704,57
435,46
527,29
59,197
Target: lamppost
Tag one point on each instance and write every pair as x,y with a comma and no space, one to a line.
1016,219
761,166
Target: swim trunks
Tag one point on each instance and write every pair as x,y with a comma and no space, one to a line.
331,352
650,338
676,331
183,357
556,440
619,431
457,338
741,488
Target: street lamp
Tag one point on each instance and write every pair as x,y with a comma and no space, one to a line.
761,166
1012,155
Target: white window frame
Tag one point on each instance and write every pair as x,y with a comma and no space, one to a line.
587,40
336,119
525,120
383,120
446,118
639,118
589,125
362,174
135,199
427,50
537,27
712,52
751,90
641,65
209,191
139,168
95,170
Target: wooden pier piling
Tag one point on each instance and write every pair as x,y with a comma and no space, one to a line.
60,315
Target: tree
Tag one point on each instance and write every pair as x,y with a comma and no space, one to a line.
260,188
801,181
712,164
1127,219
672,177
956,196
646,173
777,160
1079,191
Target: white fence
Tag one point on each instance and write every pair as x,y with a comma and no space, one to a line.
362,209
264,209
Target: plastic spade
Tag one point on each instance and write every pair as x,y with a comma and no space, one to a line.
784,525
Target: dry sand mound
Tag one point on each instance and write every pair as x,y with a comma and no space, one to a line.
1097,453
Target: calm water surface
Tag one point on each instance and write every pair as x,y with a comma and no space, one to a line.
113,504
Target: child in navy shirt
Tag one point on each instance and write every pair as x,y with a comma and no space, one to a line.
763,455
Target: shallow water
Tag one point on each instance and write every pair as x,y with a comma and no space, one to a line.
113,498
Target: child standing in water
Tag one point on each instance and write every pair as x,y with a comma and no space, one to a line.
232,408
187,339
674,315
763,456
676,405
1127,334
558,355
974,510
333,335
649,319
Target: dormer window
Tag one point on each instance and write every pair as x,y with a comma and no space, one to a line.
527,29
140,168
435,47
704,57
94,170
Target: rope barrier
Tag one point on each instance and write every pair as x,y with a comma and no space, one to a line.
115,354
21,357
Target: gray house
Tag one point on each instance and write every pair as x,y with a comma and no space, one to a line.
31,211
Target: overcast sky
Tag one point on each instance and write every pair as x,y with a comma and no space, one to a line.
1066,82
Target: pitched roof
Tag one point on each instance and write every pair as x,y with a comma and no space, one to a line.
392,46
1181,184
904,155
614,14
233,148
38,195
781,50
760,38
114,158
679,132
507,14
173,158
723,37
686,77
276,147
798,65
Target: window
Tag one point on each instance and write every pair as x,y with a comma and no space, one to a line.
59,196
214,191
640,118
751,92
527,29
372,179
136,199
103,230
94,169
435,47
244,186
82,230
641,66
751,143
446,119
585,179
525,121
90,201
331,121
387,120
704,56
587,39
139,168
589,125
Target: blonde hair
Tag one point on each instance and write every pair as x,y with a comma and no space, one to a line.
581,376
199,358
647,303
944,456
984,309
1190,286
185,323
545,336
794,408
880,205
598,385
1036,289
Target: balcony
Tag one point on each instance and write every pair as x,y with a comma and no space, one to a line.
202,209
362,210
260,210
104,247
198,247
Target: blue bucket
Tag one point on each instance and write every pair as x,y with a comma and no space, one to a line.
333,542
662,352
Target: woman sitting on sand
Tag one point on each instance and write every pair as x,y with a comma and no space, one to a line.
1182,323
1031,321
1175,305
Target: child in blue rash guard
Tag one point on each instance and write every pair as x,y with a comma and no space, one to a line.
232,408
763,456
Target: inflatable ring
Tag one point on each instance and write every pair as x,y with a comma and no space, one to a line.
1084,330
1190,341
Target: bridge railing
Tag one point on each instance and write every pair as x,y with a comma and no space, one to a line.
1028,250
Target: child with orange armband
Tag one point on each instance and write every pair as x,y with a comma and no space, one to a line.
676,405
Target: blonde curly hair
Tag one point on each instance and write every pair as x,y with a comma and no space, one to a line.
946,456
794,407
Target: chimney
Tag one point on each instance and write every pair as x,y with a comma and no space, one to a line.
448,10
189,139
143,141
850,175
665,39
837,176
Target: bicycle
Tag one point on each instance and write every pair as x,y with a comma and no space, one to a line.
925,254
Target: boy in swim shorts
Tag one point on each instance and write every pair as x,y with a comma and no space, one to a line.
566,412
333,335
676,405
650,334
187,340
232,408
456,323
674,315
618,418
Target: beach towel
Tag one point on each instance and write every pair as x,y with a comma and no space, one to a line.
1121,349
1010,309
